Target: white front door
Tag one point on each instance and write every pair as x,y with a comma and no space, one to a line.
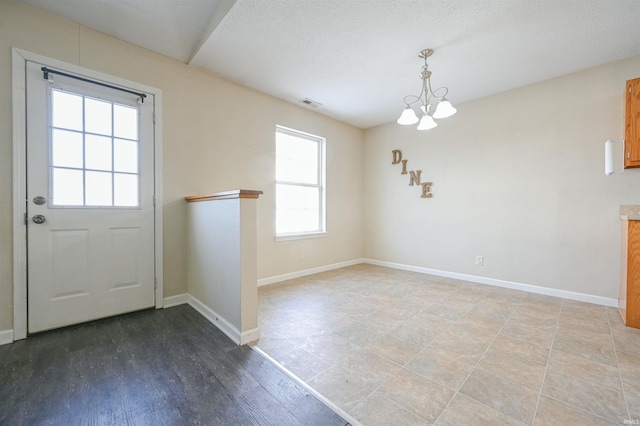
90,201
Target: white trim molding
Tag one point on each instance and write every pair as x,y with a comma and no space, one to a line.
159,197
565,294
19,105
6,336
305,272
225,326
178,299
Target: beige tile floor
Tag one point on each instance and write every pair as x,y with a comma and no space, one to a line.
393,347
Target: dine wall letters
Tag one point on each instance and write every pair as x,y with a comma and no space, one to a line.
414,175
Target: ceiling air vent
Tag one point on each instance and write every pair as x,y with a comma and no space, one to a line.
311,103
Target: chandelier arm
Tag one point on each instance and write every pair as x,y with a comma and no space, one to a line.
433,92
425,82
415,101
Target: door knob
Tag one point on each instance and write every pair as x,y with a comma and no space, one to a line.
39,218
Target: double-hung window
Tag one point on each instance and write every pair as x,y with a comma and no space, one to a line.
300,184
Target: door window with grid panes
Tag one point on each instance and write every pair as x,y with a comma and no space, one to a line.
94,146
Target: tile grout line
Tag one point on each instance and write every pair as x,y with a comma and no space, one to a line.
332,405
403,366
452,322
336,365
580,409
546,367
615,351
388,399
474,368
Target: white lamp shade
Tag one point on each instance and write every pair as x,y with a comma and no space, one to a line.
613,157
444,109
407,117
426,123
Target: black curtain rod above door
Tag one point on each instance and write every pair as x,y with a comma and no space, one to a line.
46,71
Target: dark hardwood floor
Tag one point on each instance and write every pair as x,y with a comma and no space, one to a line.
155,367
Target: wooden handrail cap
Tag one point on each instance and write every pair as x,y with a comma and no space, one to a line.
225,195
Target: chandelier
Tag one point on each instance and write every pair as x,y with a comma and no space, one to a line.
443,108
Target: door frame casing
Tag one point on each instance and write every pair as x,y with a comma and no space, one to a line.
19,84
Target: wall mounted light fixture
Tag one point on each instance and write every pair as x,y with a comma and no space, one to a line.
443,108
613,157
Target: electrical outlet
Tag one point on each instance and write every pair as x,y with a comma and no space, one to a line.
479,260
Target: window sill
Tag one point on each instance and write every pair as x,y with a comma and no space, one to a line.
291,237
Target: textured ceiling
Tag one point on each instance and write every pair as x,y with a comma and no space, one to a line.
358,58
173,28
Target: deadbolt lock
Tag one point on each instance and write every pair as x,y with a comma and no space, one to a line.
39,218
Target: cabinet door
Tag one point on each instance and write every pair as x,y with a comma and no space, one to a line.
633,276
632,124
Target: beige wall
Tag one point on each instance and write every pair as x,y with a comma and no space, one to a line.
217,136
517,178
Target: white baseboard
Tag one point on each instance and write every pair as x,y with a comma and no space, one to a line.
249,336
305,272
225,326
582,297
6,336
179,299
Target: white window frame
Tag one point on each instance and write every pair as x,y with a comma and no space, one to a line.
321,142
87,93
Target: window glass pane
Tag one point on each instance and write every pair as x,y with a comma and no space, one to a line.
82,138
98,190
292,221
298,209
67,110
97,152
66,149
296,159
67,187
125,122
97,116
126,190
125,156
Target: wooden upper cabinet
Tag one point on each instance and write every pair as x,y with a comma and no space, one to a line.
629,299
632,124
